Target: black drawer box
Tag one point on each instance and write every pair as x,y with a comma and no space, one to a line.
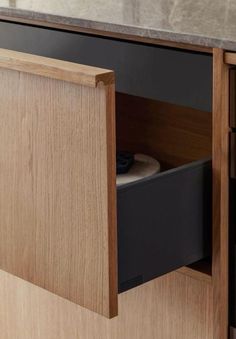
164,223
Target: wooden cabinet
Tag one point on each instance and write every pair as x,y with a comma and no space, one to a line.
58,224
60,206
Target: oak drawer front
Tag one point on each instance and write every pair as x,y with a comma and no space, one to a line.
164,223
57,178
175,76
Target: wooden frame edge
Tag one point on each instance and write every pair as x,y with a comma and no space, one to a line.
220,194
112,215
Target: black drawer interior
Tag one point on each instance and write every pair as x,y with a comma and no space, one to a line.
163,223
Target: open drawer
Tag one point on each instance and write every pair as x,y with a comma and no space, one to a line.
58,193
164,221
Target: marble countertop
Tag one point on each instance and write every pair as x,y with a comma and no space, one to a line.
209,23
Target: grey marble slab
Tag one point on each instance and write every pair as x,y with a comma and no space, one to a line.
209,23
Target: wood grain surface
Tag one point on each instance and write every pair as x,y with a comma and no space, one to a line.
220,164
174,306
57,183
229,58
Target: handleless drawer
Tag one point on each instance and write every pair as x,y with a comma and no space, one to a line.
57,178
60,208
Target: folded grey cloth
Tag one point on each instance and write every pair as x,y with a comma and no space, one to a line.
144,166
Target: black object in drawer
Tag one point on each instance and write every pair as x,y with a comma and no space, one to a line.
164,223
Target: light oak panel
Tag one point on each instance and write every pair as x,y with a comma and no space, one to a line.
220,165
57,181
171,307
200,270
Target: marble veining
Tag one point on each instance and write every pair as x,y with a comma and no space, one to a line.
203,22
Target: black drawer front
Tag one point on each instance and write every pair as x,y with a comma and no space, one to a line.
164,223
175,76
233,98
233,155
